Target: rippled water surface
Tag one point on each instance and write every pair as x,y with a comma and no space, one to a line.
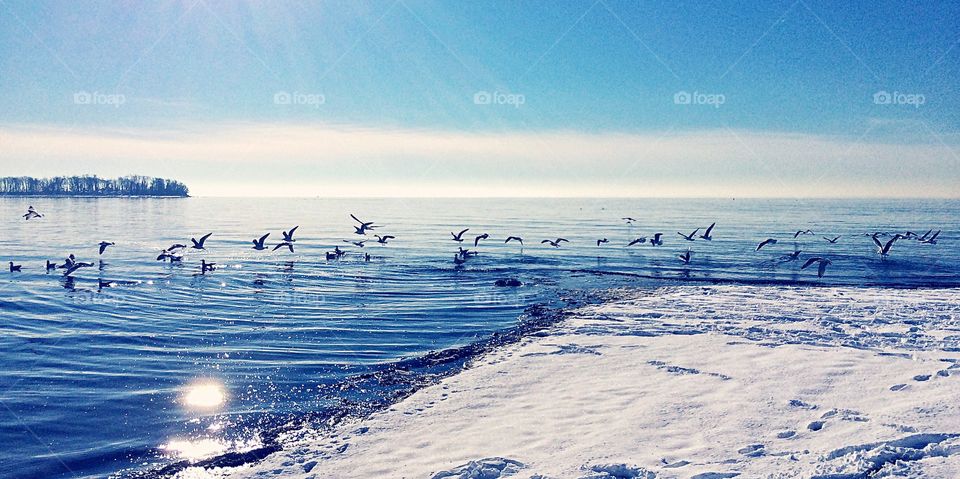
165,364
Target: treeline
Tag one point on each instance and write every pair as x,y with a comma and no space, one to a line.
91,186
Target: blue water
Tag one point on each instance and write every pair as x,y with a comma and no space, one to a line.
98,380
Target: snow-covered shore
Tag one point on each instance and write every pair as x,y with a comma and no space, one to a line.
680,382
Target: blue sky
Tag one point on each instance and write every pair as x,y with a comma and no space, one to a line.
384,95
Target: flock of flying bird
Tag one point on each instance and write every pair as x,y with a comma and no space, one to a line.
175,253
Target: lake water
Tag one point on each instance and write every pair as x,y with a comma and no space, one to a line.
168,365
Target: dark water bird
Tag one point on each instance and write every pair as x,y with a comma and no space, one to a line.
175,246
883,249
628,219
366,257
204,266
706,234
51,265
766,242
476,240
288,244
102,283
465,253
288,235
31,214
74,266
166,255
383,239
358,244
791,256
602,241
15,268
822,268
364,225
330,255
685,257
555,244
802,232
459,260
656,240
69,261
458,237
199,244
640,240
104,245
691,236
834,240
932,239
258,243
513,238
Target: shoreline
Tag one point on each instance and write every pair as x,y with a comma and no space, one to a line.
648,384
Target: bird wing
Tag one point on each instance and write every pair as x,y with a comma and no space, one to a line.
821,269
545,241
886,247
462,232
809,262
877,242
356,219
103,246
202,239
290,233
562,239
709,229
389,237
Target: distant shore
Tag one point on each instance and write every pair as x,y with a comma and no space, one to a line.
26,195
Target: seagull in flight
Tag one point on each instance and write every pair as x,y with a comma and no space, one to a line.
706,234
258,243
75,265
358,244
458,237
513,238
628,219
802,232
15,268
656,241
364,225
883,249
383,239
602,241
175,246
555,244
199,244
930,240
791,256
288,235
281,244
691,236
31,213
766,242
685,257
640,240
478,238
103,246
832,241
822,268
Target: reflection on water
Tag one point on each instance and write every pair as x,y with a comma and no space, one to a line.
136,360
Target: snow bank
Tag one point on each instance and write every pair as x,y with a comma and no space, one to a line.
680,382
